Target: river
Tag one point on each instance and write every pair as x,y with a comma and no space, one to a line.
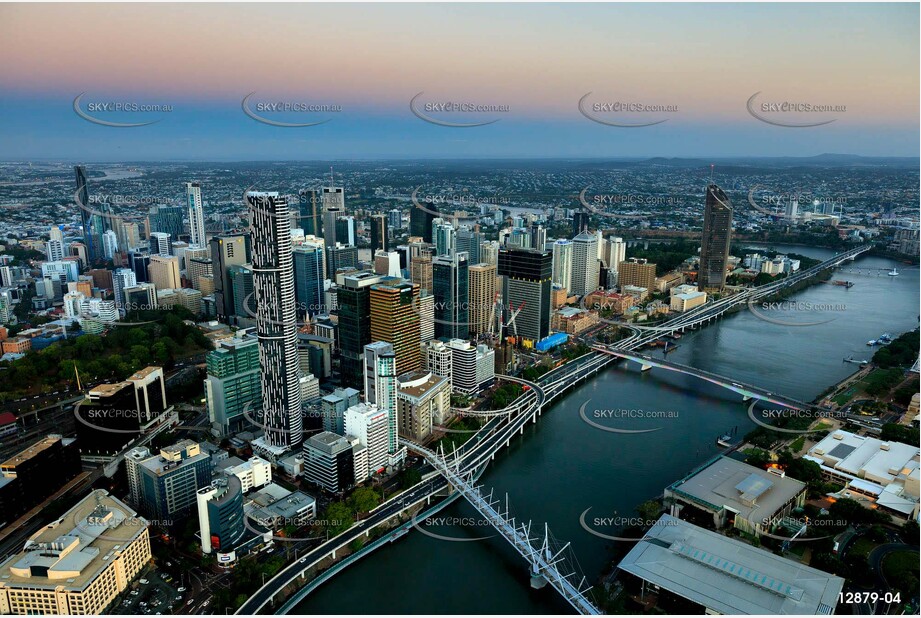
562,466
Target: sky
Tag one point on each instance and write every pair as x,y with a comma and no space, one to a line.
699,65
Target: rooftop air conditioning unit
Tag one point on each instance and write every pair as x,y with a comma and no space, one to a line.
838,436
884,446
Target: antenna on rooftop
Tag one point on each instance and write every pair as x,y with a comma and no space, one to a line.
712,165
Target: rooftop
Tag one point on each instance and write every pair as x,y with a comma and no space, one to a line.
727,575
30,452
73,550
751,492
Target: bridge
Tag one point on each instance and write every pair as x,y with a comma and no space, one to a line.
746,390
549,562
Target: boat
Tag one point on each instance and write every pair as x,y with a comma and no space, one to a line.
724,440
885,338
871,342
894,272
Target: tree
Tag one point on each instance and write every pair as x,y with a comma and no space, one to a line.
649,511
338,518
363,500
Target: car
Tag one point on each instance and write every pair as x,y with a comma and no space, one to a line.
206,603
190,601
134,593
302,560
181,589
145,581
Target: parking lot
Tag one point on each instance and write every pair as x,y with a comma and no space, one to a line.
153,592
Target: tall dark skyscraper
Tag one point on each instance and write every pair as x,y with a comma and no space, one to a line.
450,283
310,219
308,279
379,232
94,226
276,321
354,300
167,219
714,243
420,222
526,279
579,223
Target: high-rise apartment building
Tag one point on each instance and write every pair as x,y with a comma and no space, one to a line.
273,282
160,243
167,219
562,264
371,425
420,222
380,378
637,272
170,481
714,244
197,236
164,272
482,293
584,264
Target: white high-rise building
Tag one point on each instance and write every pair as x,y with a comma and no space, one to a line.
160,244
276,317
438,359
791,208
109,244
380,374
196,215
371,426
584,264
122,278
54,250
562,263
615,254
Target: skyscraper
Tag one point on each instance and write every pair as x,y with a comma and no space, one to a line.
379,231
122,278
164,272
450,288
308,279
469,241
227,250
160,243
380,378
232,385
196,215
584,264
354,300
310,219
482,297
166,219
340,256
526,275
273,282
395,319
562,263
420,222
639,273
94,225
714,244
445,237
579,223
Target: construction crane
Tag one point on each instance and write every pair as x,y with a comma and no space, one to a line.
511,322
497,302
